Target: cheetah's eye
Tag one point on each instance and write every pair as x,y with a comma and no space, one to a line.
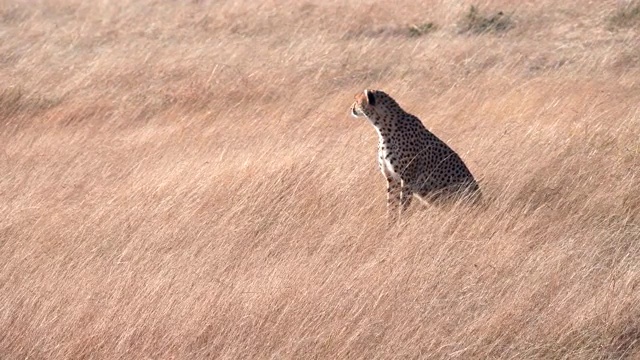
371,98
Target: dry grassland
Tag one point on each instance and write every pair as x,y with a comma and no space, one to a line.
182,180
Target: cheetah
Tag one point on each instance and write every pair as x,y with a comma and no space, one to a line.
413,160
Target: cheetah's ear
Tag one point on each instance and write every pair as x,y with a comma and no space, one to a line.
370,97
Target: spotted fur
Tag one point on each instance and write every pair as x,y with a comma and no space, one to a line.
413,160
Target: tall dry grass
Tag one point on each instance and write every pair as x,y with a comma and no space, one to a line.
182,180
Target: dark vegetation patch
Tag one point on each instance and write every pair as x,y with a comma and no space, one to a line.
626,16
401,31
476,22
422,29
14,100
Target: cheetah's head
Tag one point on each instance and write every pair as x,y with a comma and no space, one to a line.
365,104
375,105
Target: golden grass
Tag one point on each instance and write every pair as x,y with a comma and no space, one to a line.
182,180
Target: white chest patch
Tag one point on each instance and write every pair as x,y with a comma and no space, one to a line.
385,165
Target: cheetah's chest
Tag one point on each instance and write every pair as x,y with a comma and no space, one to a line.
385,161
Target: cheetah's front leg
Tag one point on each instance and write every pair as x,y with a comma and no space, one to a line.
393,199
405,196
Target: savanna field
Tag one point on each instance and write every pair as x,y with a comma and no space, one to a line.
182,180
